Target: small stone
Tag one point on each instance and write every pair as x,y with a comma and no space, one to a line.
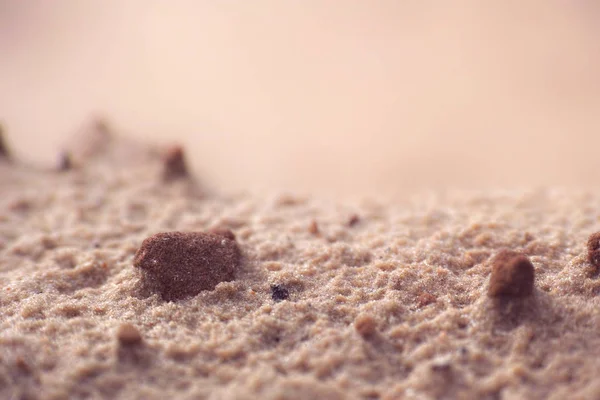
181,264
279,293
128,335
593,246
353,220
313,228
512,275
365,325
174,164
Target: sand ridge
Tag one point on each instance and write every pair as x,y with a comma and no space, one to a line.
393,305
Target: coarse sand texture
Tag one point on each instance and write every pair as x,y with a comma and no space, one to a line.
122,276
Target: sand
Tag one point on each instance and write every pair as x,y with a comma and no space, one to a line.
332,300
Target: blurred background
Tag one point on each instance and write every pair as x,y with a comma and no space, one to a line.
317,96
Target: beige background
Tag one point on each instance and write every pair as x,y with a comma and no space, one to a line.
324,96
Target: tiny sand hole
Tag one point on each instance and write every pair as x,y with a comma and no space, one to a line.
512,275
177,265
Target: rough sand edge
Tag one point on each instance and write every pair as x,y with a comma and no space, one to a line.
393,306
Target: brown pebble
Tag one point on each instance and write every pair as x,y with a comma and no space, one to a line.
223,232
174,164
365,325
128,334
353,220
4,150
313,228
512,275
181,264
593,246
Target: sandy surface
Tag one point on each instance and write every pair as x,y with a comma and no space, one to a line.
391,306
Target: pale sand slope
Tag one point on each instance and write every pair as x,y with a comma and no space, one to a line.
419,268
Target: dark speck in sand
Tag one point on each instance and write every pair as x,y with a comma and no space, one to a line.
279,293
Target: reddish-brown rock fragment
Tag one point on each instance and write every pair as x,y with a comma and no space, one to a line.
174,164
181,264
512,275
593,246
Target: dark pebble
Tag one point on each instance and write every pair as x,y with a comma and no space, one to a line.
279,293
593,246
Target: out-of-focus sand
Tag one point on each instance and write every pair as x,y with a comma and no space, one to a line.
318,96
